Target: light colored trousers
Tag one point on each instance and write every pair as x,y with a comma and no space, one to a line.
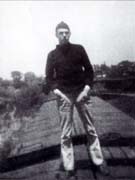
66,122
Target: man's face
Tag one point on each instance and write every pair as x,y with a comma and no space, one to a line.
63,35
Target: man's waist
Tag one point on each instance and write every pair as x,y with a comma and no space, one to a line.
70,88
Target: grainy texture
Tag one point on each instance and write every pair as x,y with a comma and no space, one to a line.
43,131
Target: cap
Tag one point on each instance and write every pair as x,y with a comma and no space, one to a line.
62,25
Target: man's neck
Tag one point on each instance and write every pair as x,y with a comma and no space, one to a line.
64,47
64,44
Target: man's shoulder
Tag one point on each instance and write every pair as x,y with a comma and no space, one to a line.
79,46
52,53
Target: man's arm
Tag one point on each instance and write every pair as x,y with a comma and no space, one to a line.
61,94
89,75
84,93
88,69
49,73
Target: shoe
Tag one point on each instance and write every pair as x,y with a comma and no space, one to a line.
70,173
103,169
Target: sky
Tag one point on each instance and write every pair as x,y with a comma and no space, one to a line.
106,29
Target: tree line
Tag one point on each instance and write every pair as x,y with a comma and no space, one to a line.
25,91
124,69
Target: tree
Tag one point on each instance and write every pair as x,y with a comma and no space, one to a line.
101,71
105,69
16,76
123,69
29,78
1,81
127,68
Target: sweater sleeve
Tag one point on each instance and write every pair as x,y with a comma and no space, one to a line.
50,74
88,69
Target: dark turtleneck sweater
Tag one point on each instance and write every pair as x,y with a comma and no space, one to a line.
68,69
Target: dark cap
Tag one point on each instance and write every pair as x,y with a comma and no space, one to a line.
62,25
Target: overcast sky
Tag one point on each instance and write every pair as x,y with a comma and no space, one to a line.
27,32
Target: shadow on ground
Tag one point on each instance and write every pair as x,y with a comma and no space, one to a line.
125,103
53,152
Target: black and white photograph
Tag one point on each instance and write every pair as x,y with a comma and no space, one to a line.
67,90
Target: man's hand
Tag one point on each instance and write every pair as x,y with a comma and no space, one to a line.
62,95
83,94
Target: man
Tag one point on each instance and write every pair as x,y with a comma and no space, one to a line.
69,75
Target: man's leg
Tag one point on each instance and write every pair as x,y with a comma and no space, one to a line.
66,122
94,147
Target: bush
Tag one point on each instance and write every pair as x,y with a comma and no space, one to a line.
27,98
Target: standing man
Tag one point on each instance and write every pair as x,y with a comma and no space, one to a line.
69,75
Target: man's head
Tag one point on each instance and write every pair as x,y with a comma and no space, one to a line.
63,33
